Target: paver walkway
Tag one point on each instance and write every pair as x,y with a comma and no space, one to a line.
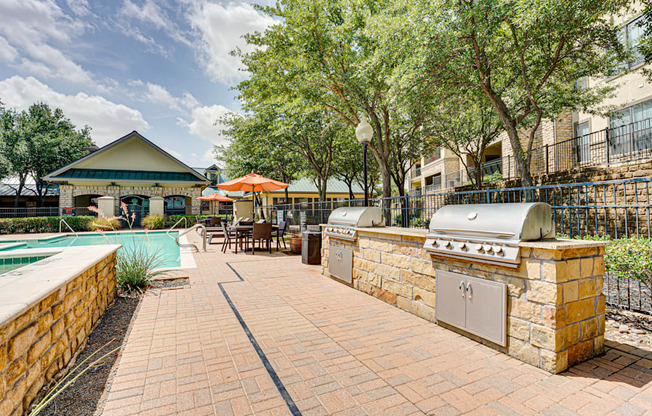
267,335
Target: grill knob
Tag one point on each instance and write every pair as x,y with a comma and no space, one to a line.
462,246
479,248
500,251
490,250
448,244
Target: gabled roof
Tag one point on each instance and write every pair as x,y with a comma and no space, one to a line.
71,172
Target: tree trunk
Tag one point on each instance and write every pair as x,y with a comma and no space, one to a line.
21,185
387,180
478,176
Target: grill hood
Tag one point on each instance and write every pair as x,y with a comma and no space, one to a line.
519,221
356,217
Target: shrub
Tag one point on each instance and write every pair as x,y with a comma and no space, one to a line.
170,220
493,179
104,224
42,224
136,266
154,222
630,257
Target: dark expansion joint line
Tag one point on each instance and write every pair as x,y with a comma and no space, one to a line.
263,358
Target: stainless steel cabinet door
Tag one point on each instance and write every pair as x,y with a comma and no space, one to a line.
340,263
486,305
450,298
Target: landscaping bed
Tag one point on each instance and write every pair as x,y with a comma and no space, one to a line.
82,397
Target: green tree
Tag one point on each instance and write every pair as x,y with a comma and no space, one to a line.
249,150
466,125
319,53
38,141
524,56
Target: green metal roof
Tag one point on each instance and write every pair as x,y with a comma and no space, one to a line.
127,175
305,185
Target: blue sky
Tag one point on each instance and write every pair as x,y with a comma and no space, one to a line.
159,67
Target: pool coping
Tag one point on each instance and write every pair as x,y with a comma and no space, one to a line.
186,258
22,288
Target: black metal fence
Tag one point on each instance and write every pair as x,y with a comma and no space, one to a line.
626,143
42,212
619,208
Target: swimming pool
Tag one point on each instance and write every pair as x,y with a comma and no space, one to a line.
8,264
155,241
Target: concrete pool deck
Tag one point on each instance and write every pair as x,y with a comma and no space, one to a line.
267,335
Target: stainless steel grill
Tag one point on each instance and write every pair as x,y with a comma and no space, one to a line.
342,222
488,233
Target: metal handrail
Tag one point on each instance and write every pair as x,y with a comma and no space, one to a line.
187,231
177,223
69,227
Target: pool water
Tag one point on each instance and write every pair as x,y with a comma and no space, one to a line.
156,242
8,264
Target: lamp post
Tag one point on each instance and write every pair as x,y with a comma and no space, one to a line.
364,133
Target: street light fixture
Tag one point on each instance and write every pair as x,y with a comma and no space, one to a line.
364,133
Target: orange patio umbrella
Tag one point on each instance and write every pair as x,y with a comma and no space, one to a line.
252,183
215,197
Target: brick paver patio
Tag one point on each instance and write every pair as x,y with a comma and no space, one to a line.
334,350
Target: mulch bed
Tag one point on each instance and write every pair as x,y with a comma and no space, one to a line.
82,397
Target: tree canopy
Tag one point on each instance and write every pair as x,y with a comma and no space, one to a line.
38,141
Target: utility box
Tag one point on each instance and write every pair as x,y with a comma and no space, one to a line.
311,247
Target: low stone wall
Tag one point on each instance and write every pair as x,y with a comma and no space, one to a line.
46,313
555,306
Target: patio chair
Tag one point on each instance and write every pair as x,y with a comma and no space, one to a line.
261,232
237,221
280,234
215,221
229,236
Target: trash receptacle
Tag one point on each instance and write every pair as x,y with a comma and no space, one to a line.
311,247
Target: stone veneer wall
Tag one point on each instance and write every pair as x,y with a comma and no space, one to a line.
555,307
67,193
38,344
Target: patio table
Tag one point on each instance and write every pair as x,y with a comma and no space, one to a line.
244,229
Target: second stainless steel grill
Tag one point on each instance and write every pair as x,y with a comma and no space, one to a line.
488,233
343,221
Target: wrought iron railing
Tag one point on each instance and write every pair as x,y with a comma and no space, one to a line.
617,208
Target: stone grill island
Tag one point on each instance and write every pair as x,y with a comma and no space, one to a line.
543,306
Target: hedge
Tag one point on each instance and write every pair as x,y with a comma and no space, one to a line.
170,220
42,224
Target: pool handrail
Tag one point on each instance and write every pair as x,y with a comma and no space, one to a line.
69,227
177,223
187,231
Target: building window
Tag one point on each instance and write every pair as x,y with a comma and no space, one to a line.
630,35
583,139
631,129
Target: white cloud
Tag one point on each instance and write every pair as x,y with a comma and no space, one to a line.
79,7
7,52
173,153
205,123
150,12
221,28
158,94
35,29
108,120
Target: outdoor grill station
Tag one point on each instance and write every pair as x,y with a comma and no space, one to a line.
492,272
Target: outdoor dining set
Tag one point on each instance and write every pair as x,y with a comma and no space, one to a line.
242,231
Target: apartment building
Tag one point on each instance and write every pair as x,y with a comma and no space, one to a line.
573,139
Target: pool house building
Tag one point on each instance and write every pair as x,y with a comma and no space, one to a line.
132,170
